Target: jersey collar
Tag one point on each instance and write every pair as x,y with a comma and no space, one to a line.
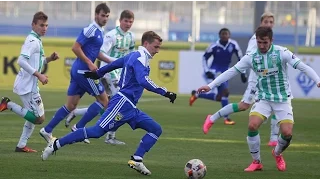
222,46
146,51
97,26
35,35
118,28
270,50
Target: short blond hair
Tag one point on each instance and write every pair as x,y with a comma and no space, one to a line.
266,15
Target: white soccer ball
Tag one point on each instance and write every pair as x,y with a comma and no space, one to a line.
195,169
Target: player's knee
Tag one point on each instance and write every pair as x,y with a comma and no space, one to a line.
253,126
39,120
94,132
157,130
286,129
243,106
71,106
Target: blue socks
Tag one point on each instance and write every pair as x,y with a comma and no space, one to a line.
93,110
58,116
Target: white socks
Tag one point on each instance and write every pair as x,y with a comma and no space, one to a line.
26,133
80,111
254,146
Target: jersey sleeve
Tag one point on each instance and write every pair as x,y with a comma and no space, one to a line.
108,43
110,67
86,34
28,48
142,76
238,50
243,64
207,54
290,58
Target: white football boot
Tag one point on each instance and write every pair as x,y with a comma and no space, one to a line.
138,166
69,118
46,136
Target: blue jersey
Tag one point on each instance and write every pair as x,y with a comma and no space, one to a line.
135,75
222,55
91,40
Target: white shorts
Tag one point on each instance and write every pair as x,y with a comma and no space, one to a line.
249,95
282,110
33,102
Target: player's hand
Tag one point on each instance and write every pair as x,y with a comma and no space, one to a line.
203,89
43,79
244,77
318,85
92,67
54,56
91,75
210,75
172,96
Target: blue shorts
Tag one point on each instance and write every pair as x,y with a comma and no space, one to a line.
119,112
80,85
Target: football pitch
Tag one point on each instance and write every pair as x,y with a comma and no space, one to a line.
224,150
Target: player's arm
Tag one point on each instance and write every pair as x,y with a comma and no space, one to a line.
296,63
208,53
108,43
54,56
241,66
105,69
27,50
142,76
82,39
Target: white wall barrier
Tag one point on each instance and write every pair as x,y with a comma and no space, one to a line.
191,75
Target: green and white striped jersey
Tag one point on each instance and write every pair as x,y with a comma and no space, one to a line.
117,44
271,70
32,49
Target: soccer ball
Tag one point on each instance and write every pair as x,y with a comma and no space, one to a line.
195,169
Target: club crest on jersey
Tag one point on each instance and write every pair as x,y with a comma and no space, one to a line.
166,71
68,61
273,58
118,117
257,59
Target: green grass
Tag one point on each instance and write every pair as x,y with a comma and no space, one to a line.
68,42
224,150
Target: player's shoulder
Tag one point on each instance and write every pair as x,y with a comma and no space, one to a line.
112,32
90,30
280,48
31,40
233,41
131,34
253,37
213,44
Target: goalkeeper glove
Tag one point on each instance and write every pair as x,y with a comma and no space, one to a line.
91,75
210,75
172,96
243,77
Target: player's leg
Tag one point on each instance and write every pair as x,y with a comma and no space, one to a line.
94,88
260,112
82,111
243,105
212,95
74,95
34,106
223,90
154,131
112,80
274,131
115,116
284,114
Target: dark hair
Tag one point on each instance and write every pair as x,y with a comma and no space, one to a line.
150,36
39,16
262,32
126,14
224,29
103,7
